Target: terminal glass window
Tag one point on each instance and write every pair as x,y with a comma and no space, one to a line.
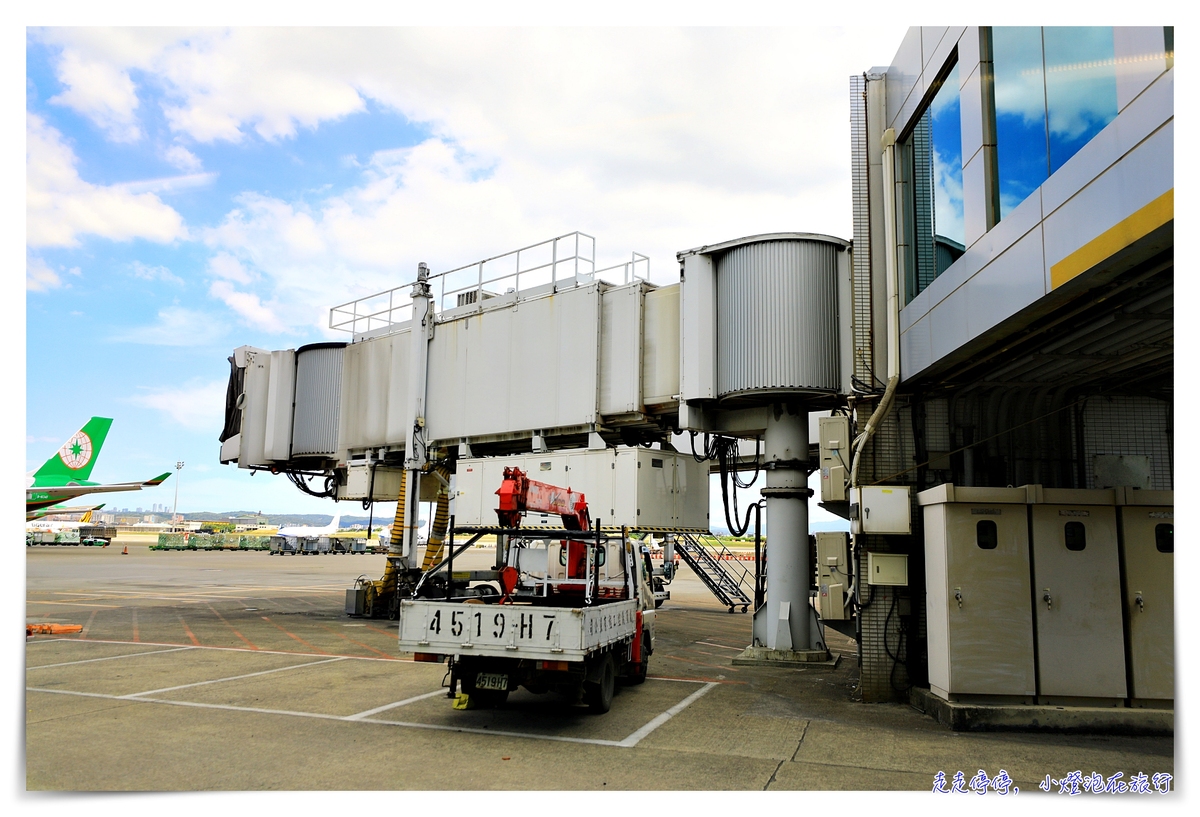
1081,87
1055,88
1020,104
936,149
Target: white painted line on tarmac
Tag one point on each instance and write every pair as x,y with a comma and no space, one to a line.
109,658
637,736
230,678
627,743
225,649
526,735
361,715
189,703
722,646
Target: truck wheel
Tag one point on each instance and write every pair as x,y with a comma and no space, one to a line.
658,603
599,695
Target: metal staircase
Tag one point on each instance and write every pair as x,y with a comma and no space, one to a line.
728,579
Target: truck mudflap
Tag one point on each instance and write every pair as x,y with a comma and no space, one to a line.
515,630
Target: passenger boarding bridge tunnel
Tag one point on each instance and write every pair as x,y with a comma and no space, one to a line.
538,351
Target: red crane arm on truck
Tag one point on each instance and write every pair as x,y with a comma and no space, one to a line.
518,493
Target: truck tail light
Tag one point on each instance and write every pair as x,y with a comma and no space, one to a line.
429,657
560,666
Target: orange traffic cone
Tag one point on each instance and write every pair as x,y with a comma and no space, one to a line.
125,551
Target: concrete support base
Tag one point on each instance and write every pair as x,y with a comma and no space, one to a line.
766,657
972,717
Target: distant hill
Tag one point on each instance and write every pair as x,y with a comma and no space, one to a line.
286,519
318,519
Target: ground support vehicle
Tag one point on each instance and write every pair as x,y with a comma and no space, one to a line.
283,545
568,611
97,535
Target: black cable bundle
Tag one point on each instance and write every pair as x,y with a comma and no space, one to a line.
298,480
723,450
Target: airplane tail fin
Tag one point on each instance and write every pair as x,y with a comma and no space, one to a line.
74,460
86,519
337,520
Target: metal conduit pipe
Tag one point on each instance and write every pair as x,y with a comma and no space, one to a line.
893,302
893,350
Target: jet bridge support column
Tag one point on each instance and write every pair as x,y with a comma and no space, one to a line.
785,629
414,444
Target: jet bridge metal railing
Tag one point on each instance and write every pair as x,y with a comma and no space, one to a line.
566,257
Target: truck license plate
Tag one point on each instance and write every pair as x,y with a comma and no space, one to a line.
491,680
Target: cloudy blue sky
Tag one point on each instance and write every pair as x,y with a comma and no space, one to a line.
189,191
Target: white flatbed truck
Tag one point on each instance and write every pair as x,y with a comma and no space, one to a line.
571,629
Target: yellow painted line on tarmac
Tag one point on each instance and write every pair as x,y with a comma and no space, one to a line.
75,604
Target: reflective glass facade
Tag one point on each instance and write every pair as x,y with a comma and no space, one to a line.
935,146
1055,88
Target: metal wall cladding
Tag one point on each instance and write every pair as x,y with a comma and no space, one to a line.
318,399
777,327
530,366
375,409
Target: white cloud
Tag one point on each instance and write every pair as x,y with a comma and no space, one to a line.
196,406
61,207
248,306
100,91
176,326
167,184
653,140
224,265
39,277
182,158
149,273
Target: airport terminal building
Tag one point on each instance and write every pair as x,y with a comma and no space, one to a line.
1028,176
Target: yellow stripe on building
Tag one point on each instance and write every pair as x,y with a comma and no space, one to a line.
1140,224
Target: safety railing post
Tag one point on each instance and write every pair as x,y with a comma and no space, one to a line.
449,561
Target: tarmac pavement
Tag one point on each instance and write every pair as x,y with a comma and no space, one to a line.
240,671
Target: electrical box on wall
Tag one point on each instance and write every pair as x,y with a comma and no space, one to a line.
833,573
889,569
880,509
834,445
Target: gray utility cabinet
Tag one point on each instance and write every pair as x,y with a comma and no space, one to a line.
980,625
1148,537
1077,597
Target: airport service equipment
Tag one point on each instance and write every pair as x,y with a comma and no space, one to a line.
539,352
979,620
574,608
1148,558
638,488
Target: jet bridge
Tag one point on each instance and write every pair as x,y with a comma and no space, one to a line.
539,351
